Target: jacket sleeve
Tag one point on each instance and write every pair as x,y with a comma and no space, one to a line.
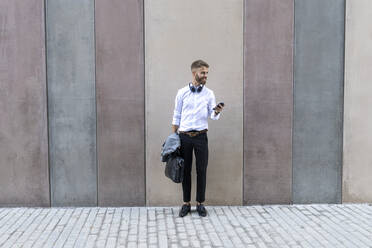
177,109
211,105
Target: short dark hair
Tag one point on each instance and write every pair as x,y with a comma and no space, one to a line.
199,63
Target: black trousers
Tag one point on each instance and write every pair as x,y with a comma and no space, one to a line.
198,144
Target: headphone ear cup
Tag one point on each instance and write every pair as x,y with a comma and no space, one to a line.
192,88
200,88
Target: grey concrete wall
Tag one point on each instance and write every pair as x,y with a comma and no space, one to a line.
24,176
268,102
318,101
176,34
357,169
71,102
120,102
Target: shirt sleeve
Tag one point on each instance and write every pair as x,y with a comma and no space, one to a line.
177,109
211,105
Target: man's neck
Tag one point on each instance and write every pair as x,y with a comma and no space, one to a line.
195,83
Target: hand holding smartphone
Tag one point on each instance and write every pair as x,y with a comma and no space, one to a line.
219,104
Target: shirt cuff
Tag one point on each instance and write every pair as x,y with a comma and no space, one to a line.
214,116
176,122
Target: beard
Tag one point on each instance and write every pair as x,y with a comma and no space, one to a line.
200,80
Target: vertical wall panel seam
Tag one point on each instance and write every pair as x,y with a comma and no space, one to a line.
46,99
243,170
144,99
95,92
293,89
342,108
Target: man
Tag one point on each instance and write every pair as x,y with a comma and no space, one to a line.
193,105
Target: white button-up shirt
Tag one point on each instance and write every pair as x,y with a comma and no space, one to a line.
192,109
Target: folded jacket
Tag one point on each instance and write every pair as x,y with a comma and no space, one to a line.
171,144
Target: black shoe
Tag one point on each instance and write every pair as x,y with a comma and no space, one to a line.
201,210
186,208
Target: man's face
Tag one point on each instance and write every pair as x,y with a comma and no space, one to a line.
201,75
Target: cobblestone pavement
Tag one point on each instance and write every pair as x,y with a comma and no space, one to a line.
347,225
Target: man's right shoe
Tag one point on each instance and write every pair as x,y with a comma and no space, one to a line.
201,210
185,209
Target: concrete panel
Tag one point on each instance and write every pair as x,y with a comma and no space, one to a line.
177,33
120,102
71,102
268,102
24,176
318,101
357,173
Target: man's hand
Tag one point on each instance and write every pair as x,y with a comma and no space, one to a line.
174,128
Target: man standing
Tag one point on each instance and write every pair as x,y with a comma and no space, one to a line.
193,105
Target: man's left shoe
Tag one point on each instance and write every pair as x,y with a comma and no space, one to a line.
201,210
185,209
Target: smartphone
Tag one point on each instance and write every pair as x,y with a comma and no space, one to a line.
221,103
